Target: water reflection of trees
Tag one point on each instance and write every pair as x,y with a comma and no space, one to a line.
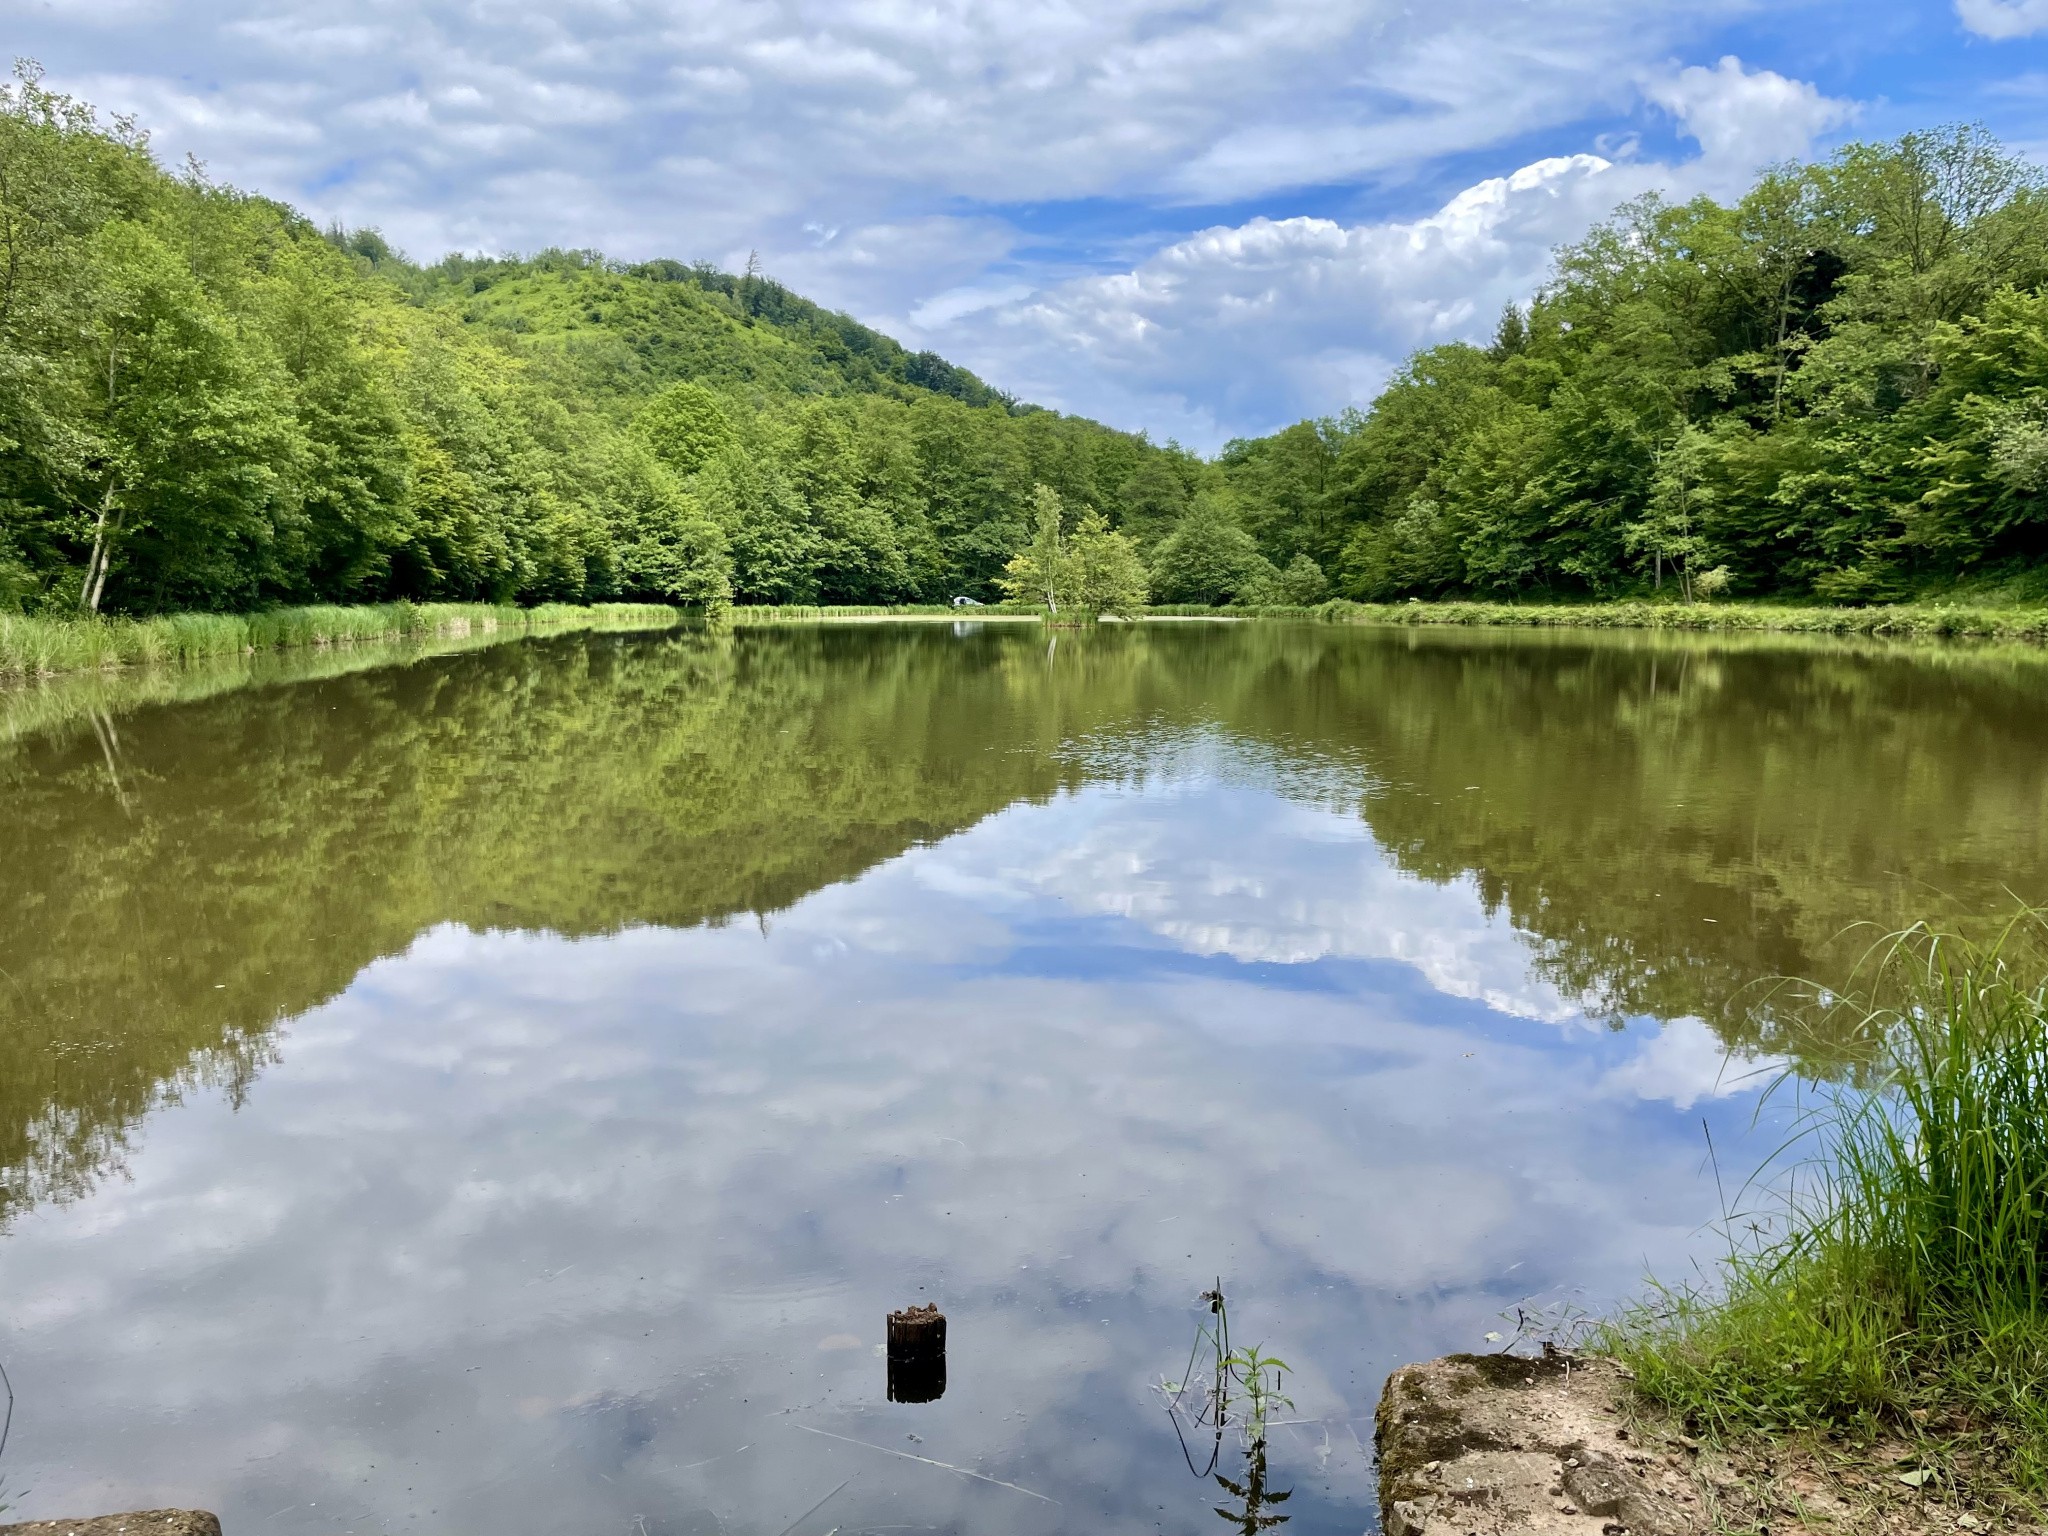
1665,820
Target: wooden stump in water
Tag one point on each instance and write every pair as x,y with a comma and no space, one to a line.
917,1355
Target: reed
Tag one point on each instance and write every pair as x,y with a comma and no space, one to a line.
1905,620
1902,1296
41,647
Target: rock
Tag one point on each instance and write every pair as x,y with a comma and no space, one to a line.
145,1522
1489,1444
1602,1487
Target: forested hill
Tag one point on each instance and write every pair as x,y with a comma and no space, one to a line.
1836,388
207,402
632,329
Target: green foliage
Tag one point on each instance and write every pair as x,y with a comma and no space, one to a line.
1836,388
1904,1295
1208,557
207,403
1093,572
1104,572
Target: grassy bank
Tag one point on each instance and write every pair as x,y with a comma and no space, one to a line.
1905,621
800,613
39,647
1902,1300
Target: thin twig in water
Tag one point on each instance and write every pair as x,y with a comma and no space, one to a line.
800,1519
944,1465
693,1466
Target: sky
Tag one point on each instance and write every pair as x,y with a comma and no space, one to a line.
1199,218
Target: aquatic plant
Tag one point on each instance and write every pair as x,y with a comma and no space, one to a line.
1898,1287
1241,1388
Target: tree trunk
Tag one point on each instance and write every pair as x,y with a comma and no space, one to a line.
102,553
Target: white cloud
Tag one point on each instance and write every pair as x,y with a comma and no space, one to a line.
1743,119
820,112
1335,895
1250,326
1257,324
2002,19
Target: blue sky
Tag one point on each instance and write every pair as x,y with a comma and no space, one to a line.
1200,219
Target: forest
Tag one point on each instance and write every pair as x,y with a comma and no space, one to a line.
206,402
1834,390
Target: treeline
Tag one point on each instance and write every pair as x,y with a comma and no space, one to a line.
208,403
1835,389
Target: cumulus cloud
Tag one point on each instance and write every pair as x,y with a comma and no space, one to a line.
1333,896
1743,119
1250,326
2002,19
1247,327
688,128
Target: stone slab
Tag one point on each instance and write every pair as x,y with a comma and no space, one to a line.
142,1522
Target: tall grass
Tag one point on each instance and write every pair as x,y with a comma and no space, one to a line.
1902,620
1904,1296
37,647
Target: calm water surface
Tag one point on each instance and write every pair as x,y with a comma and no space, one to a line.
505,1092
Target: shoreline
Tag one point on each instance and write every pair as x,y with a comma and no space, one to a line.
33,649
1911,621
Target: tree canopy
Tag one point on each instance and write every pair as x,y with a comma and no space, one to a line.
207,402
1835,389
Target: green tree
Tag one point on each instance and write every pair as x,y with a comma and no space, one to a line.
1671,534
687,427
1207,557
1102,572
1302,584
1037,573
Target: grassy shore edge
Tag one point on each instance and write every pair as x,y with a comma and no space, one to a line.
1896,1296
1924,621
45,647
1905,621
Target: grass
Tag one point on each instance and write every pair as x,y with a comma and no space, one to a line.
41,647
799,613
1905,620
1904,1300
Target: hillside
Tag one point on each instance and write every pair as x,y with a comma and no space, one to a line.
206,402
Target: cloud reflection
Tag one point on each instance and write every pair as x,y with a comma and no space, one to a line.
545,1233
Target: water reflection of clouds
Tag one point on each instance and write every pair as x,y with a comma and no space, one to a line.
536,1233
1685,1062
1258,878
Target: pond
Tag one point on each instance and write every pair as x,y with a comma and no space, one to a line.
507,1091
